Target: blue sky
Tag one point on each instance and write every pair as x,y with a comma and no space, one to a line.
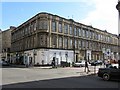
15,13
99,14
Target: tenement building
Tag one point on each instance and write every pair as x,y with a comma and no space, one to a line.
45,37
5,44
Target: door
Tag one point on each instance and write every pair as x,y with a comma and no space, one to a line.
76,57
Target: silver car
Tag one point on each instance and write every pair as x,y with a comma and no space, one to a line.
79,63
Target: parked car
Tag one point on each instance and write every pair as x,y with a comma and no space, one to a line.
96,62
113,65
80,63
4,63
109,73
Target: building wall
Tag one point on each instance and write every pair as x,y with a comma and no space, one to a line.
6,43
6,39
54,32
45,56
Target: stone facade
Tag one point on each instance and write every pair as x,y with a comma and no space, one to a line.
50,31
6,43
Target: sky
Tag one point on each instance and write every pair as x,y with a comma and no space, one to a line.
101,14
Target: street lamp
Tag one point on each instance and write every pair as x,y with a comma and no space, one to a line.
88,58
74,52
103,51
60,58
34,54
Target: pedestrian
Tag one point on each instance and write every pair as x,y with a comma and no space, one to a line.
53,63
86,67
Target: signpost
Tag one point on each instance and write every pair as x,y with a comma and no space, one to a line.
108,52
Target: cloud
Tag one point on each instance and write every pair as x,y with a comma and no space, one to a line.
104,17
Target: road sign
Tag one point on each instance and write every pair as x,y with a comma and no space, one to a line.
108,52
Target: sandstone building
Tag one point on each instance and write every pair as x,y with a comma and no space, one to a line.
45,36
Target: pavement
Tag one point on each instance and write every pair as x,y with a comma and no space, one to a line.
48,77
93,69
16,74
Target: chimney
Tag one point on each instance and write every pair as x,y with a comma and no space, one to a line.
12,27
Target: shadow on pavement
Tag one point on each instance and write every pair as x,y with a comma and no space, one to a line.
90,81
12,67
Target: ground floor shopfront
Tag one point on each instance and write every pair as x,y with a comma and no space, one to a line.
88,55
45,56
42,56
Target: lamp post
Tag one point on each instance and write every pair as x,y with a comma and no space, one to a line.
66,55
60,58
88,57
34,54
103,51
74,52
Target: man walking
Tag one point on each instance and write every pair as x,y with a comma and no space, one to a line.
86,66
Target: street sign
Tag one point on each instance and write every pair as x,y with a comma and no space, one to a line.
66,54
108,52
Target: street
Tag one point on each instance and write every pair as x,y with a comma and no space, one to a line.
67,77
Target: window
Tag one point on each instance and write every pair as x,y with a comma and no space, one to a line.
75,43
60,27
70,30
96,36
83,44
60,42
26,30
54,39
110,39
65,42
87,34
42,24
43,40
75,31
79,32
53,26
34,26
90,45
66,28
93,35
71,45
83,33
79,44
90,34
29,29
99,36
